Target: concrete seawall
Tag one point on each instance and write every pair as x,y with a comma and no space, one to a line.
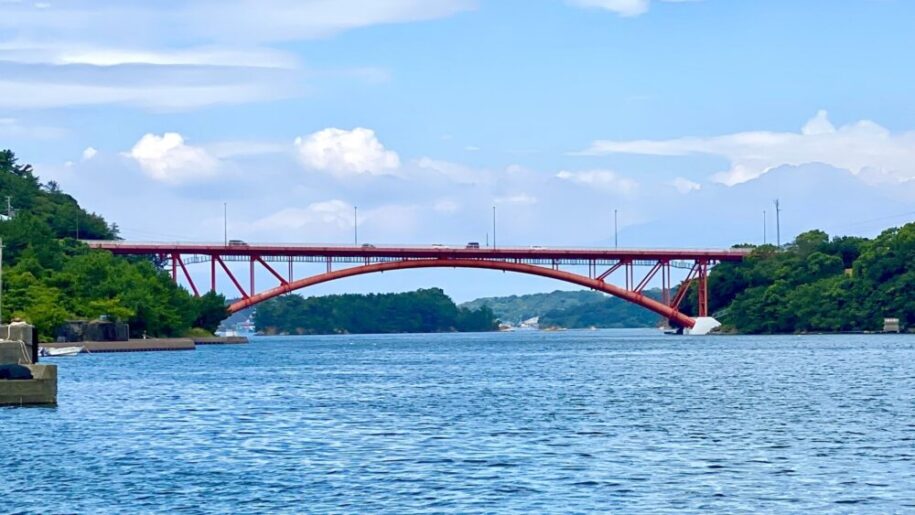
222,340
151,344
41,389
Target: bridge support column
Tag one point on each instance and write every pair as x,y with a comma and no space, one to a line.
175,268
665,283
213,274
703,288
252,275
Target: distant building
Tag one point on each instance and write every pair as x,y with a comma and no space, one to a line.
891,325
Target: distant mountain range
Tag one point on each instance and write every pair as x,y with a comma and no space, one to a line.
570,309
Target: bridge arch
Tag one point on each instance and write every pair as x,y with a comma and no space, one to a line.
638,298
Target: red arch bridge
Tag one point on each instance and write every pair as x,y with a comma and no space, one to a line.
348,261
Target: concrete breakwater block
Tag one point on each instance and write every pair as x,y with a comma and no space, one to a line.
12,353
41,389
15,333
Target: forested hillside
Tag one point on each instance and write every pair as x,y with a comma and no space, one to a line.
422,311
607,313
49,277
818,284
517,308
570,309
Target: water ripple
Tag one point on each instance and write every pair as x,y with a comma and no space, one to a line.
568,422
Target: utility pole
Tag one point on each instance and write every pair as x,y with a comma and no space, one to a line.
764,226
225,224
355,226
778,224
616,230
487,239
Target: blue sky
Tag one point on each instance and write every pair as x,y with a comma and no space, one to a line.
689,117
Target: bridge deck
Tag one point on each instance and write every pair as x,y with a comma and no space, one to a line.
420,252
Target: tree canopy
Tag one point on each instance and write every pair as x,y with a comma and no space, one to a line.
50,277
421,311
818,284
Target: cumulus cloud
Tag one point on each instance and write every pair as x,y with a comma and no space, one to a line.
168,159
346,153
89,153
863,147
621,7
605,179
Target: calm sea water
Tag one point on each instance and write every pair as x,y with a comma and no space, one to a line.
536,422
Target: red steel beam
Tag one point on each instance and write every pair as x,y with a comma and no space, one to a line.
270,269
609,271
651,273
232,277
187,275
684,286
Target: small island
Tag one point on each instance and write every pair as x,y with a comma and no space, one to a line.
422,311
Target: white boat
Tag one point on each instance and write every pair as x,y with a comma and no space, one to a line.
59,351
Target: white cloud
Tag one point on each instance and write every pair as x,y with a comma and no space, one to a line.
622,7
605,179
89,153
223,21
684,185
343,153
286,20
863,147
179,55
168,159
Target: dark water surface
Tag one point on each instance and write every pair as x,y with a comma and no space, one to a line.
536,422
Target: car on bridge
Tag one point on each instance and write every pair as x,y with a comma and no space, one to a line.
237,243
473,245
